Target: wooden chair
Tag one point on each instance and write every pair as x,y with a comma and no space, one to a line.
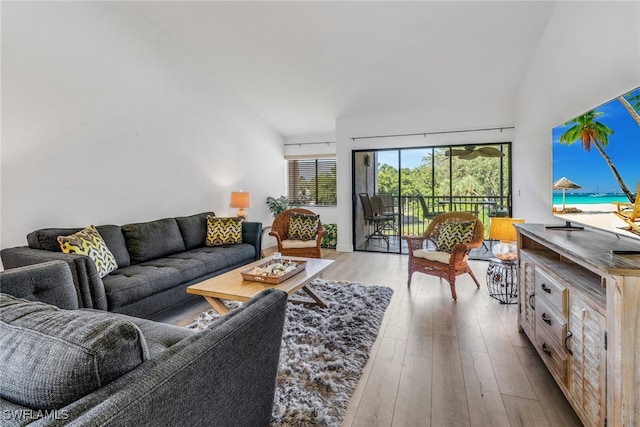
630,213
300,248
442,264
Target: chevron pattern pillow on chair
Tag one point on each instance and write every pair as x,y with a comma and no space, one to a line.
453,233
303,226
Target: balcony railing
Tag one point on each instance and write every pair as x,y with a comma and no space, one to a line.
413,219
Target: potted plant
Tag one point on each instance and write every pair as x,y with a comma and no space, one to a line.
277,205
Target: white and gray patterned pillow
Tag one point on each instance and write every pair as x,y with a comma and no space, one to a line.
90,243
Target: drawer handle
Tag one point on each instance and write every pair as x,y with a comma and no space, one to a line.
546,288
530,298
566,339
544,348
546,318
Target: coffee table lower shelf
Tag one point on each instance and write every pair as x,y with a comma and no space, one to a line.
231,285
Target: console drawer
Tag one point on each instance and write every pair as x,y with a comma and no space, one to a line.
549,319
554,358
552,292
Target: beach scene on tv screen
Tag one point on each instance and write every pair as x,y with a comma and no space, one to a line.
596,166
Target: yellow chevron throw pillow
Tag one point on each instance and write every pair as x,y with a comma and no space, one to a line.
303,226
223,231
89,242
453,233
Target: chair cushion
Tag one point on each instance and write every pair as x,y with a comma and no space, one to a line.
437,256
295,244
150,240
89,242
223,231
453,233
51,357
303,226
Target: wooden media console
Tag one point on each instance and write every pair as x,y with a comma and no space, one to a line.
580,307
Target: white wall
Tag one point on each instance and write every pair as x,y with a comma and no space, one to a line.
106,120
461,117
589,54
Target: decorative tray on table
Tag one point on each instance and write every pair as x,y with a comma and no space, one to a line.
274,273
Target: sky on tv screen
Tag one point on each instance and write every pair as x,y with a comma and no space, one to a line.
589,168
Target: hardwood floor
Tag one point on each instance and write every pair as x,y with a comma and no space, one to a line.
437,362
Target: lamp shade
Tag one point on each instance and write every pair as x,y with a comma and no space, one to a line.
502,229
240,199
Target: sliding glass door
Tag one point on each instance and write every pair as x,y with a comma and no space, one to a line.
398,191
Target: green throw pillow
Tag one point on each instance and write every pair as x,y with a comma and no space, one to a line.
303,226
330,241
89,242
223,231
453,233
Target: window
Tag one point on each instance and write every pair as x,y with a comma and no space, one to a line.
312,182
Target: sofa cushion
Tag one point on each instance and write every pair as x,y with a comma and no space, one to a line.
47,239
113,237
128,285
51,357
150,240
223,231
89,242
453,233
193,229
158,336
303,226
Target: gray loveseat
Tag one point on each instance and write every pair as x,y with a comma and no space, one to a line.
90,367
157,260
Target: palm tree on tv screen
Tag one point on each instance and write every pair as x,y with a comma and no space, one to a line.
593,133
632,103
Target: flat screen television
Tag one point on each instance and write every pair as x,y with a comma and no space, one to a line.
596,166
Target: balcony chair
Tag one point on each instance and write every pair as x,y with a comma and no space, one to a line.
383,204
630,213
288,246
378,221
426,213
454,234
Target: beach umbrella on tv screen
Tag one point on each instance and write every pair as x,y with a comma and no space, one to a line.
564,184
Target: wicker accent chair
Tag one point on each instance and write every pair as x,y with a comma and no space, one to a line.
440,264
280,229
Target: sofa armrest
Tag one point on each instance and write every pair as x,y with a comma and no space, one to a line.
89,287
224,376
252,234
49,282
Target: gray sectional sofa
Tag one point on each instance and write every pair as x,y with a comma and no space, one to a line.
60,365
157,260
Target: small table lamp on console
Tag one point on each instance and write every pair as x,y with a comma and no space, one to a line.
502,229
240,200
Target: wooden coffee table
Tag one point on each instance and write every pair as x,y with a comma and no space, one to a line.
231,285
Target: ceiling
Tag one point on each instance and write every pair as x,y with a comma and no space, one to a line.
301,65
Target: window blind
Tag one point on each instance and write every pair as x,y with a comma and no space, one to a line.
312,182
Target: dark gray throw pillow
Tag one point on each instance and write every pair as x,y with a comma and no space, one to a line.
51,357
194,229
150,240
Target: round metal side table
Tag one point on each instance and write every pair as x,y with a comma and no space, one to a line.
502,280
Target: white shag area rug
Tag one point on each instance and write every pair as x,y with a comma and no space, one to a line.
324,351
